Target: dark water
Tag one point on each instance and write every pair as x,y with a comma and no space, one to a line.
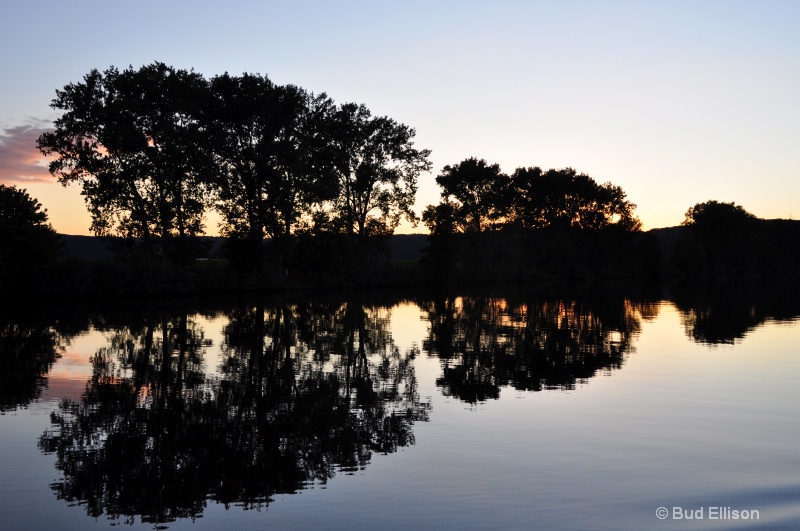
547,408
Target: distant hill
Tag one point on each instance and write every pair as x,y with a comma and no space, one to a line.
85,247
667,238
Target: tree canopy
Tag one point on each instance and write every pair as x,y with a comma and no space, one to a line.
473,197
478,196
133,140
714,217
266,139
377,167
155,149
20,211
567,199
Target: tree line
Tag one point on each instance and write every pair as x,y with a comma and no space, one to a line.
154,149
477,196
724,239
304,184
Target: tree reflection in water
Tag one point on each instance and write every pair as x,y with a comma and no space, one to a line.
33,337
725,312
485,343
304,391
27,353
298,392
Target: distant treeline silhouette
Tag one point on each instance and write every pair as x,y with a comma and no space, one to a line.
533,225
305,187
477,196
723,239
309,191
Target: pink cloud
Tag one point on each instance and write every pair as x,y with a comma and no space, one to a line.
20,160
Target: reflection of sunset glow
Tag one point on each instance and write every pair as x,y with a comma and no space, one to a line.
645,310
407,327
68,376
70,373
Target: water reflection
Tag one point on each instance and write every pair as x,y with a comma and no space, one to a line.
303,391
534,343
725,312
27,352
281,396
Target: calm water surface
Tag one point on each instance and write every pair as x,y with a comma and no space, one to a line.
461,411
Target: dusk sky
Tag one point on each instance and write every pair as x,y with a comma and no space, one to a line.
676,102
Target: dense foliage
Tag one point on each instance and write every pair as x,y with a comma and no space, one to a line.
533,224
133,140
309,189
156,148
28,244
477,196
725,239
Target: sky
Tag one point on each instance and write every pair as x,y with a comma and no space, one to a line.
676,102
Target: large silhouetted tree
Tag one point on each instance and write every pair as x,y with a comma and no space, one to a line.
268,144
132,140
567,199
377,167
473,198
714,218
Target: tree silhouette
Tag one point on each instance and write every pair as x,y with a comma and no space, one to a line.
269,145
377,167
567,199
132,140
28,244
714,218
474,195
477,196
155,148
490,227
721,238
